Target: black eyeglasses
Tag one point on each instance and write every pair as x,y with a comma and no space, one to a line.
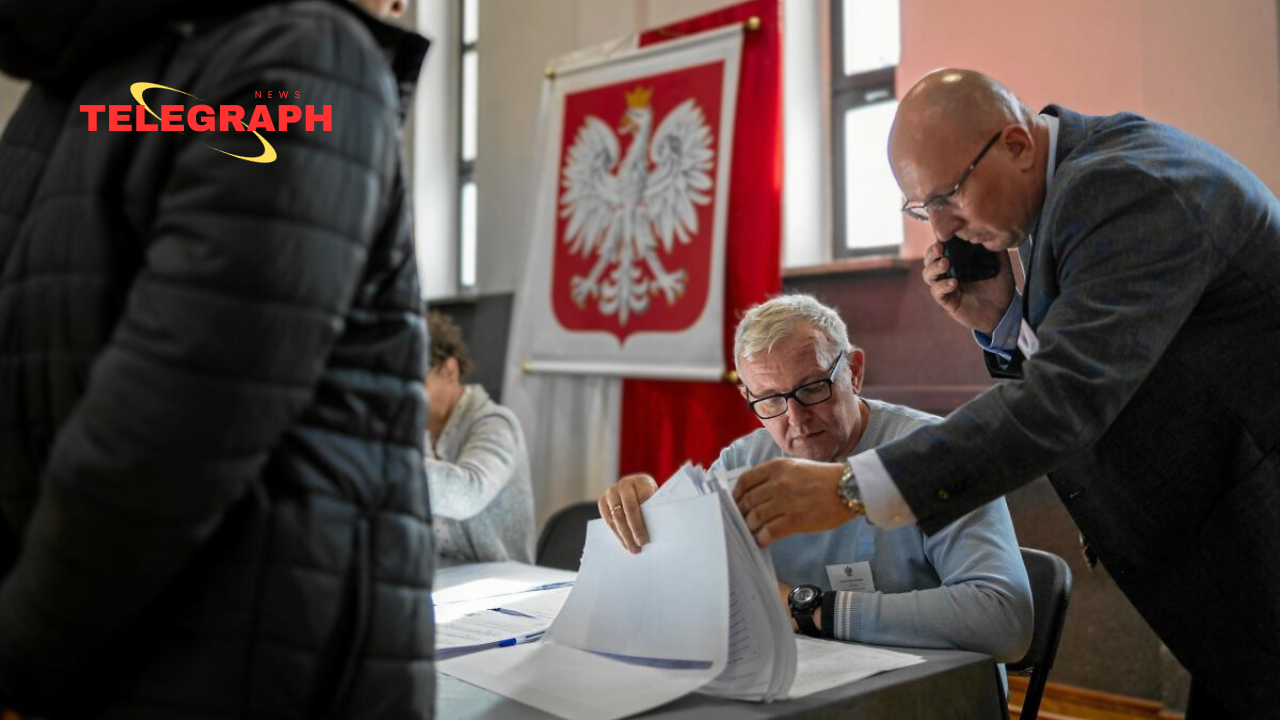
922,210
813,393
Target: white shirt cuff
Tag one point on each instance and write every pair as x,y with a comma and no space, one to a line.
886,507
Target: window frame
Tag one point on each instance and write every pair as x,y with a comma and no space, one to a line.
847,93
466,168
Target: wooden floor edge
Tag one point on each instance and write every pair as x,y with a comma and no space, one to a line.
1084,699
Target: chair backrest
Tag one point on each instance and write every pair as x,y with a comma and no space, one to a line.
1050,592
565,534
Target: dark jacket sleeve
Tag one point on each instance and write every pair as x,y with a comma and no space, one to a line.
1132,263
249,271
1001,369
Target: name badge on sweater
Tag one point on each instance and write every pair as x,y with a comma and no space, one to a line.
1028,343
855,577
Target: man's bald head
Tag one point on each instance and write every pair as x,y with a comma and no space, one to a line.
944,126
952,105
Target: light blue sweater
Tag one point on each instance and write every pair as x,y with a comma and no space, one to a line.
964,587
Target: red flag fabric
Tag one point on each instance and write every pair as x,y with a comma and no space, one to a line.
665,423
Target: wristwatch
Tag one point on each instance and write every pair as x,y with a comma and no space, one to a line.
805,600
848,491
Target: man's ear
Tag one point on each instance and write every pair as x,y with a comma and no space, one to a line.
1020,145
742,390
857,369
449,369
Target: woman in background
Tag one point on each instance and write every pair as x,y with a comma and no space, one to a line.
477,464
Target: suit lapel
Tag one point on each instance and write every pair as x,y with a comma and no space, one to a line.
1073,128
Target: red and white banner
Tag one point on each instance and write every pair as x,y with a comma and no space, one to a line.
627,263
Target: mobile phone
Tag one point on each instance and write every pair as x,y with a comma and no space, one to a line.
970,262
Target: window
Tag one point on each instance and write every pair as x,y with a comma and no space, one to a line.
468,195
865,48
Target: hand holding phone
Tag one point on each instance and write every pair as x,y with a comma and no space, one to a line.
970,262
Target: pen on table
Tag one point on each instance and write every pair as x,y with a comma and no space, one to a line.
509,611
552,586
520,640
539,588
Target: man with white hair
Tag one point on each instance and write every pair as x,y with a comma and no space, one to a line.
964,587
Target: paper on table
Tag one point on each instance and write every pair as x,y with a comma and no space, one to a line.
514,622
571,683
545,604
824,664
452,611
668,603
464,583
486,629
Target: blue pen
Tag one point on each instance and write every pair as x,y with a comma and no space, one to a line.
552,586
520,640
509,611
548,586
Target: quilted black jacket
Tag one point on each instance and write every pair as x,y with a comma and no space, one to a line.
212,502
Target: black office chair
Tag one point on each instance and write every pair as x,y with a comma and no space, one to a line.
565,534
1050,592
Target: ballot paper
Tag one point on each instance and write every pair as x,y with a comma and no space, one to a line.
761,656
824,664
465,589
696,610
520,618
636,631
463,583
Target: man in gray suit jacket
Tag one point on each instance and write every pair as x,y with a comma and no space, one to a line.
1145,357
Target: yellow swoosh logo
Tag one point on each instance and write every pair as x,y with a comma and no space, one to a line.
268,152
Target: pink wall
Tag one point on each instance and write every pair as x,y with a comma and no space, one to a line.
1210,68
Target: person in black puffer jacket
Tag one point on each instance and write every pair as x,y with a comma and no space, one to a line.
212,502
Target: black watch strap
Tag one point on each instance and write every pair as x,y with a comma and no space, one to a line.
803,611
805,621
829,614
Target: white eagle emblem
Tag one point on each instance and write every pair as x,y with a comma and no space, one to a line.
622,217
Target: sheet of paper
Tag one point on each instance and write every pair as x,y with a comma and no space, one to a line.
544,604
464,583
824,664
666,608
729,479
669,601
571,683
683,484
452,611
520,621
487,628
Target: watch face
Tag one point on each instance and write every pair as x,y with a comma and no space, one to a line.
803,595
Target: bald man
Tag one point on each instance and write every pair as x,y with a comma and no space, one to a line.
1142,353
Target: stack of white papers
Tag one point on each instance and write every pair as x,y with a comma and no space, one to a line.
761,662
696,610
637,631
